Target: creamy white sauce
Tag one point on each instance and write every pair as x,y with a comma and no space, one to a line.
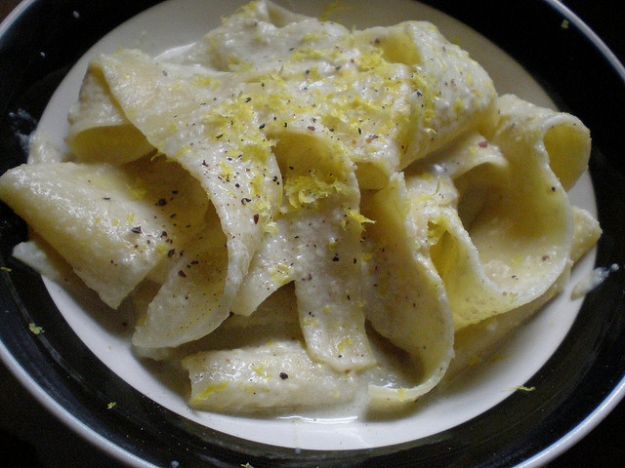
19,121
594,279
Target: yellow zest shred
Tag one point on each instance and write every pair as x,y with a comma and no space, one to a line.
35,330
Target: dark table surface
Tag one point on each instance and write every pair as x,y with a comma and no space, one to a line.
28,431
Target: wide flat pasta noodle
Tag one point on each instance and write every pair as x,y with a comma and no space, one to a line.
474,295
258,38
316,243
236,173
42,150
452,94
277,376
586,233
558,137
271,268
547,151
37,254
274,320
325,226
188,305
390,110
389,94
478,342
112,225
510,237
98,130
406,300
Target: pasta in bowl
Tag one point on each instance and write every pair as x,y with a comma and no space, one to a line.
375,170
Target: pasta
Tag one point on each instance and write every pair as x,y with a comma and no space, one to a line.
304,215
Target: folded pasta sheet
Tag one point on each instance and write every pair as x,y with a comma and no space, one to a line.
323,213
500,231
194,288
390,94
113,225
305,215
475,343
272,267
275,320
406,299
99,130
237,174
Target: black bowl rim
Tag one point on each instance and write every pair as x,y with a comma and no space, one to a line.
580,431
